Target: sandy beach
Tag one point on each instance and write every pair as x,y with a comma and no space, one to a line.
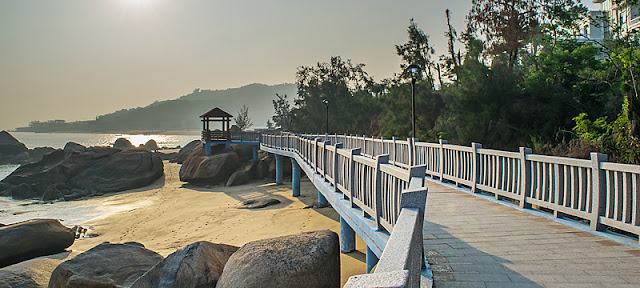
168,215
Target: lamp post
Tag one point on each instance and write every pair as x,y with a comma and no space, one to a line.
413,68
326,104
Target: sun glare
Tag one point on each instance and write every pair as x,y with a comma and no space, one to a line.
138,4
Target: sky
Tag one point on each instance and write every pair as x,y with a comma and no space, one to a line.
76,59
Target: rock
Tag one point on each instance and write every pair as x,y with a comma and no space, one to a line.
73,147
106,265
96,169
261,171
121,171
209,169
31,273
245,152
197,265
52,194
10,146
151,145
22,191
243,175
123,144
37,153
184,153
33,238
303,260
259,203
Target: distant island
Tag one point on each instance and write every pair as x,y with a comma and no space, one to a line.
176,115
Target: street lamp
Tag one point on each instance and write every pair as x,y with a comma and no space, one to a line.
326,104
413,68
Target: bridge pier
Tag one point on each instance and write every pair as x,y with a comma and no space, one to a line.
347,237
372,260
255,152
279,170
207,147
295,177
322,201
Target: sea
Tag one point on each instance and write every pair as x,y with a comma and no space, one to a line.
58,140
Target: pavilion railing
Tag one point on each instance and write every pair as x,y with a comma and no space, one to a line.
599,192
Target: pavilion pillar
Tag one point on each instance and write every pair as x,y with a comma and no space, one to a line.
255,152
295,177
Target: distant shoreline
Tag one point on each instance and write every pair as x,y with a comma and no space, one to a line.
130,132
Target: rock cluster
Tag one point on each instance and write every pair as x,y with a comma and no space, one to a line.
304,260
77,171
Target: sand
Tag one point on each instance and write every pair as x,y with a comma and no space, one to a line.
169,215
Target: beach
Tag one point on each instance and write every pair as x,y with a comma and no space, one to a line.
170,214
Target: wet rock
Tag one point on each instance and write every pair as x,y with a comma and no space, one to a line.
33,238
123,144
303,260
197,265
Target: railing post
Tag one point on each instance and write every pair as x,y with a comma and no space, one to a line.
377,194
475,166
442,142
525,177
364,145
314,159
599,190
412,151
394,156
352,171
324,159
335,166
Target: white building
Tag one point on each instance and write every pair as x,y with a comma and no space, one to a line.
625,16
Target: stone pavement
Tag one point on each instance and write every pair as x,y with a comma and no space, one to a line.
473,242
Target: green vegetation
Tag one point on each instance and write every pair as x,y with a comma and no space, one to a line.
525,77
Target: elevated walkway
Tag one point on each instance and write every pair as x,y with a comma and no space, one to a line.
471,240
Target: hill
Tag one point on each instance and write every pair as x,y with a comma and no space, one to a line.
181,114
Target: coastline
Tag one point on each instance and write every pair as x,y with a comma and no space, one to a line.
169,215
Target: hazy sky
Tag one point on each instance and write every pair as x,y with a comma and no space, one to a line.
74,60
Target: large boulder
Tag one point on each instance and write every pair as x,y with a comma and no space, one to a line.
121,171
304,260
9,145
34,273
37,153
151,145
33,238
106,265
77,171
209,169
184,153
244,151
197,265
123,144
243,175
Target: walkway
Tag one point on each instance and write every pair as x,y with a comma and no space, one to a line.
473,242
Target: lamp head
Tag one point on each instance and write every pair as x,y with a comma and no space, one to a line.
414,68
325,101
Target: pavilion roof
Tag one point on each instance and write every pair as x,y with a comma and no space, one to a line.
216,112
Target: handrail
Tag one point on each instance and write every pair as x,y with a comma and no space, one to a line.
604,194
394,197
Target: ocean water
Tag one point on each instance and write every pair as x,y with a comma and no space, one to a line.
58,140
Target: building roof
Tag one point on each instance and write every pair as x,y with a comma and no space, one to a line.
216,112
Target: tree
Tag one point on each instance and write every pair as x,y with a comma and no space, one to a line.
282,116
243,120
506,24
416,51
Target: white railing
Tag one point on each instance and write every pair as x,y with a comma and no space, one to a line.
603,193
392,196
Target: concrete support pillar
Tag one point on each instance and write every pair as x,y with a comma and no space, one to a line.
372,260
295,177
347,237
207,147
227,145
255,152
322,201
279,169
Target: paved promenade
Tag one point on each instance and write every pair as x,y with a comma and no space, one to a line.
474,242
